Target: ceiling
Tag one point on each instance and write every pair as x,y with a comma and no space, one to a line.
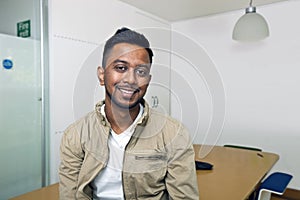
176,10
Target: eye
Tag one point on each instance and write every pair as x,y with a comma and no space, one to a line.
120,68
142,72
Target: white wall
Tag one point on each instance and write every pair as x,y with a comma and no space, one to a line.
261,83
78,30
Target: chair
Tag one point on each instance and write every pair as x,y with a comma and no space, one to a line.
275,183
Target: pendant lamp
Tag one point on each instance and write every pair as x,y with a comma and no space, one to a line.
251,26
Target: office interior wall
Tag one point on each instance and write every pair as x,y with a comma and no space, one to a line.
78,30
260,79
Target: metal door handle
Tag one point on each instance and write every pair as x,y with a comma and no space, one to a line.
155,101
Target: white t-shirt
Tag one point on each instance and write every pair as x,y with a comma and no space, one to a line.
108,183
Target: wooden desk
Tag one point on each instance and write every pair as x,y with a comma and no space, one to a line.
46,193
235,174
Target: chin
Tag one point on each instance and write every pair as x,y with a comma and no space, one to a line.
131,104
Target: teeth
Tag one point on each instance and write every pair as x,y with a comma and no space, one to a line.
127,91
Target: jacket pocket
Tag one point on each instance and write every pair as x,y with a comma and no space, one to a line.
143,162
143,174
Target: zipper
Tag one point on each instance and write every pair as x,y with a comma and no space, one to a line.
152,157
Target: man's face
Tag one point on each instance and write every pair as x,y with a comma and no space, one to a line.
126,75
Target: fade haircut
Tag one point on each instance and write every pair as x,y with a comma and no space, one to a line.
125,35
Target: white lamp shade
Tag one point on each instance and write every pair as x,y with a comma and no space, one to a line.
250,27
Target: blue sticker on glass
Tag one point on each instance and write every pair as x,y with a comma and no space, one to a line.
7,63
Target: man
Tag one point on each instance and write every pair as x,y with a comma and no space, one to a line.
124,149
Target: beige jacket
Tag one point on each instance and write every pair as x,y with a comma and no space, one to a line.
158,160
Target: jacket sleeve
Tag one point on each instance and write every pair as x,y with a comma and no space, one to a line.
71,155
181,179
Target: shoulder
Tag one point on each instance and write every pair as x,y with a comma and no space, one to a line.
168,126
165,119
171,131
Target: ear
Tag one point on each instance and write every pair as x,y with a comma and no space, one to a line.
100,73
150,77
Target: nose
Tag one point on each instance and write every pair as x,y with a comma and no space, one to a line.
130,77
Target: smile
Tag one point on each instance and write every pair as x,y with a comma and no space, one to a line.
128,91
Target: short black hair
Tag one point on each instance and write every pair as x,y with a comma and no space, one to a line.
125,35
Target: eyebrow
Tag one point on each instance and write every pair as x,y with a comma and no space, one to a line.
121,61
125,62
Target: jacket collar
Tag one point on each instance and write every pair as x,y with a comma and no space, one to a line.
105,122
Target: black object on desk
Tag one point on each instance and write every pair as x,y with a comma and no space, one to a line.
200,165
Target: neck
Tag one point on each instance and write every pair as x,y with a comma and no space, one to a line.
120,118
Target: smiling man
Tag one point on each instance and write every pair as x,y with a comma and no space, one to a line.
124,149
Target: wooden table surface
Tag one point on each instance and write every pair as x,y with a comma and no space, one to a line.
46,193
236,172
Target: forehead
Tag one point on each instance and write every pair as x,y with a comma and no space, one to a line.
126,50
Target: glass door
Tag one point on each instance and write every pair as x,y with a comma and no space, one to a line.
21,98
